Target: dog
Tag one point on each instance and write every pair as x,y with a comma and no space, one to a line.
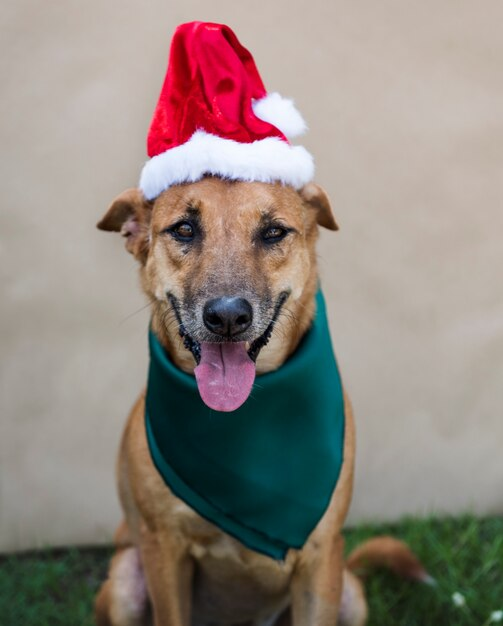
234,241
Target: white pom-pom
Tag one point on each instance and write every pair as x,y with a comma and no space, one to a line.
280,112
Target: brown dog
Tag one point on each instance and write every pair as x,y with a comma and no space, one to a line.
172,567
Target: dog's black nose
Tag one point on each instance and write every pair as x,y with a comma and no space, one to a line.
227,316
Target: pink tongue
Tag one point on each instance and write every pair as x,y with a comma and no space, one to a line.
224,375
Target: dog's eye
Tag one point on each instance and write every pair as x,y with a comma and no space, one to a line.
183,231
273,234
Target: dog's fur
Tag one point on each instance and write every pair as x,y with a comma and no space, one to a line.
171,567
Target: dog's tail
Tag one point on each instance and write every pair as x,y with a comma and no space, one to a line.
388,553
379,552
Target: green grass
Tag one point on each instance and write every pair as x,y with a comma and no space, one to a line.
464,555
51,588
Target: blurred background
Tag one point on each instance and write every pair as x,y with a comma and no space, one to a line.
404,102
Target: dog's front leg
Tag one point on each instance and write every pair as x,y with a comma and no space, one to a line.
317,585
168,571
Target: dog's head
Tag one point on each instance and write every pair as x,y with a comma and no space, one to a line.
230,268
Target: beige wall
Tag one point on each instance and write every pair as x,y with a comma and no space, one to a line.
404,101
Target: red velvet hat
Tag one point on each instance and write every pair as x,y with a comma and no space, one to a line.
214,116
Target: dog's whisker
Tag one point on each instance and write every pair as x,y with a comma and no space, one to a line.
142,308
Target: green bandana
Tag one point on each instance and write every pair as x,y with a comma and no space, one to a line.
264,473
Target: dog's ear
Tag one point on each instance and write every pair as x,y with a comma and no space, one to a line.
130,215
314,196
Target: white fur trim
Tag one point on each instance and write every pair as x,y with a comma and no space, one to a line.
268,160
280,112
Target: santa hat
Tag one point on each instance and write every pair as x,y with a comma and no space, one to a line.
215,117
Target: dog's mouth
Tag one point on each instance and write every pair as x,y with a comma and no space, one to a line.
225,371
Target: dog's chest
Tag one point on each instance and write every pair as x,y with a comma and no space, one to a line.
209,544
257,582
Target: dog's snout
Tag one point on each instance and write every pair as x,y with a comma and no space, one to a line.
227,317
